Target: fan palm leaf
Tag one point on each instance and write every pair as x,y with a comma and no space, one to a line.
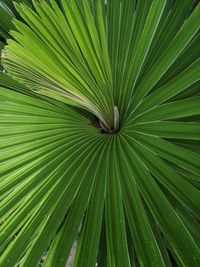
100,134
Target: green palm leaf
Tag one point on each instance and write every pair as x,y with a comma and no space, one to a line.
99,131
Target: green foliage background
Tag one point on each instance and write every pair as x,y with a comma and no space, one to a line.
100,133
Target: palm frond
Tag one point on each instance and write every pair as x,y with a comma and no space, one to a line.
100,134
